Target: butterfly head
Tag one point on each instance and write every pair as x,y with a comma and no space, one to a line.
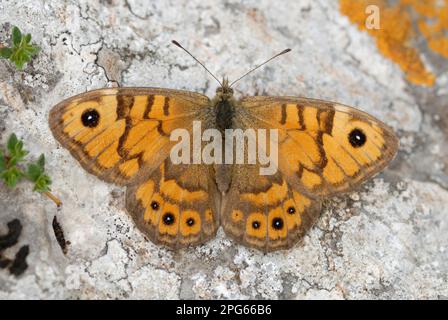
224,92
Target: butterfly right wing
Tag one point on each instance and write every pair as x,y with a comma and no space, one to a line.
318,151
315,160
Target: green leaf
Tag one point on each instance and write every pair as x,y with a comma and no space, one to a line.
16,36
5,53
19,63
31,50
2,162
16,151
19,152
27,38
42,184
34,172
19,147
23,54
37,175
12,142
41,161
12,176
22,50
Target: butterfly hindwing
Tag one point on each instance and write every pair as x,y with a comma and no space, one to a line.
264,212
176,206
120,134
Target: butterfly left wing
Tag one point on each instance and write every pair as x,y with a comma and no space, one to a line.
122,134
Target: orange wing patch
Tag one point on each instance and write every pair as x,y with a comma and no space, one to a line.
310,179
190,224
274,194
256,229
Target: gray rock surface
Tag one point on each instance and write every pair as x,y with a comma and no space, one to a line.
388,239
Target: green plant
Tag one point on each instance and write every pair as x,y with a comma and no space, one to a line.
21,51
11,168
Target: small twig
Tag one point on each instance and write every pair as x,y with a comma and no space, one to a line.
52,197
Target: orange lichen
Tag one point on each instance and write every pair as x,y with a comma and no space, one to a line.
397,36
433,24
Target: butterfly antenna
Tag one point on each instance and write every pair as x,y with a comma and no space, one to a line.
178,44
252,70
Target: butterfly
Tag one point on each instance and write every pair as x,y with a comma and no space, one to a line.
122,136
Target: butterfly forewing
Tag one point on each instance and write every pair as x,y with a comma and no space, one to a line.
122,134
325,148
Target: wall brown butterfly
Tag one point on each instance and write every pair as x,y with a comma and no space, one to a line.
122,135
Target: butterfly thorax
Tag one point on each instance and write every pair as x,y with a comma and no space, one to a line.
224,104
